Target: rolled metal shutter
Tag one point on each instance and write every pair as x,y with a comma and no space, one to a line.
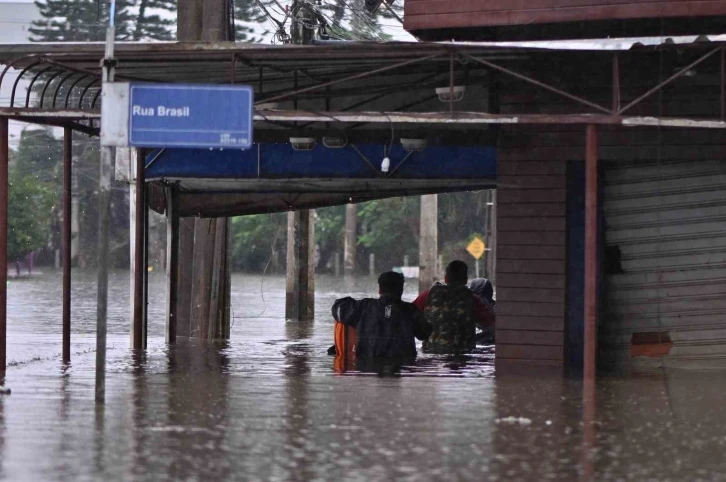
668,222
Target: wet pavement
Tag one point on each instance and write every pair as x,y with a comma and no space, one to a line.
269,406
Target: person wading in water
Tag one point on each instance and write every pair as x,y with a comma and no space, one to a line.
454,312
385,328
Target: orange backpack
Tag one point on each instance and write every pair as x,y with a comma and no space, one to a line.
345,337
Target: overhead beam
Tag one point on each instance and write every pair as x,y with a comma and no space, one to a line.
56,116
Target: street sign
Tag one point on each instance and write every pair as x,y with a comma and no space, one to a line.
183,115
476,248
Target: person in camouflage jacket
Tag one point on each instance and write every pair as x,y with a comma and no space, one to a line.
453,311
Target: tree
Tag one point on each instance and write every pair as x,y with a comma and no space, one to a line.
250,21
329,228
30,204
83,21
258,239
79,21
150,24
39,155
390,229
86,20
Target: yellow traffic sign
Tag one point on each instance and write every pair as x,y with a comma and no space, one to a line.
476,248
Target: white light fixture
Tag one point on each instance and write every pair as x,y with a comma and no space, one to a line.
302,143
335,142
413,145
444,93
386,164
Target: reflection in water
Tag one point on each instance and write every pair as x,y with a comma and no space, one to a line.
268,406
297,411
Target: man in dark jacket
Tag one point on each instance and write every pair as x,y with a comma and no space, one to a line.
385,327
454,312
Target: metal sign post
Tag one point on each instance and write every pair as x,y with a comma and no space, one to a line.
104,204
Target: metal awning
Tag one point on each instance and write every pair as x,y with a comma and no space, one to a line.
362,87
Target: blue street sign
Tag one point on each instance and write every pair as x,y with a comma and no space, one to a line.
179,115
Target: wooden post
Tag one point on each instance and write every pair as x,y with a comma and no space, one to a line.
591,238
172,263
66,240
139,268
145,316
189,21
428,241
351,239
205,231
208,21
300,296
186,274
4,159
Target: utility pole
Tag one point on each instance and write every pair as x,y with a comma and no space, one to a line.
300,292
428,242
351,239
104,207
490,236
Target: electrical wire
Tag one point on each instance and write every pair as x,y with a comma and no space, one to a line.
264,272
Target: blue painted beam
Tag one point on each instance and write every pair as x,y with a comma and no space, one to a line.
281,161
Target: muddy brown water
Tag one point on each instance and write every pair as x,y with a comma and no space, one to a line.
269,406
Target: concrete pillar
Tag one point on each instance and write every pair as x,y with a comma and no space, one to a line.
372,264
351,239
215,20
428,242
189,20
300,293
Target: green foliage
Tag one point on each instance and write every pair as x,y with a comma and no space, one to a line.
79,21
86,20
257,240
39,155
389,228
329,230
150,24
30,204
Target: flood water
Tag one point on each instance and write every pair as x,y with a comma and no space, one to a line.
269,406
